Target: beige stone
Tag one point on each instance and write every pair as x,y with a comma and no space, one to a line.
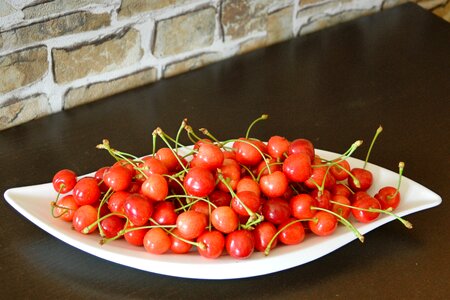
310,2
252,44
242,18
22,68
6,9
191,63
279,25
18,111
185,33
391,3
42,9
330,20
443,11
111,53
68,24
98,90
133,7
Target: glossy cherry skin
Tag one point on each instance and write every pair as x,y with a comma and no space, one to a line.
224,219
388,197
191,224
64,181
118,178
135,237
99,176
263,235
292,232
340,170
300,206
213,243
86,191
341,189
155,187
116,201
322,198
297,167
302,146
231,172
164,213
324,223
276,210
342,210
209,156
199,182
277,147
83,217
274,185
247,152
152,165
112,225
138,209
317,178
157,241
248,184
240,244
177,245
365,178
365,203
65,208
249,199
220,198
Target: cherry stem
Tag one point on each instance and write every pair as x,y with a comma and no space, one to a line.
126,230
213,138
401,166
162,135
189,204
376,210
177,137
256,148
197,244
273,239
97,222
53,203
191,134
344,221
379,130
104,199
267,167
262,117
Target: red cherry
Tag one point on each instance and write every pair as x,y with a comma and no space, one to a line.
64,181
135,236
364,177
276,210
138,209
341,189
297,167
277,146
199,182
301,206
112,225
322,198
274,185
388,197
65,208
224,219
177,245
292,232
116,201
247,198
302,146
152,165
248,184
240,244
191,224
365,203
263,235
168,158
341,210
164,213
323,224
83,217
220,198
99,176
213,244
209,156
118,178
231,172
340,170
247,152
157,241
155,187
86,191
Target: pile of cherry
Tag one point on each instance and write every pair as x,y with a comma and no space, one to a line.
233,197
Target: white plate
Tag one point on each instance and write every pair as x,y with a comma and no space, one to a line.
33,202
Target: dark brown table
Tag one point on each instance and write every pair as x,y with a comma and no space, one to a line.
333,87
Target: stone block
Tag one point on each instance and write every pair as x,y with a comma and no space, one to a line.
21,68
68,24
111,53
280,25
184,33
43,9
130,8
191,63
18,111
98,90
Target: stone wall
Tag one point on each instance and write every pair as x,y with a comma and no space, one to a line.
58,54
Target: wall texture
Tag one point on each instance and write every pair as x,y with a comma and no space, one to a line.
58,54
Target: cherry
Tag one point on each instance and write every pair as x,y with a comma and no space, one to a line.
135,235
209,156
178,245
116,201
155,187
99,176
152,165
112,225
248,152
389,197
248,184
302,146
86,191
322,198
191,224
291,232
341,189
199,182
202,207
164,213
118,178
245,201
65,208
274,184
341,210
220,198
361,207
231,172
301,206
263,234
320,177
64,181
323,223
276,210
364,179
83,217
157,241
138,209
213,243
224,219
297,167
340,170
240,244
127,164
168,158
277,146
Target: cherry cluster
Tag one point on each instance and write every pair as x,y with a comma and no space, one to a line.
233,197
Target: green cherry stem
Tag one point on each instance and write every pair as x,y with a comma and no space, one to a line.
379,130
401,166
262,117
161,134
